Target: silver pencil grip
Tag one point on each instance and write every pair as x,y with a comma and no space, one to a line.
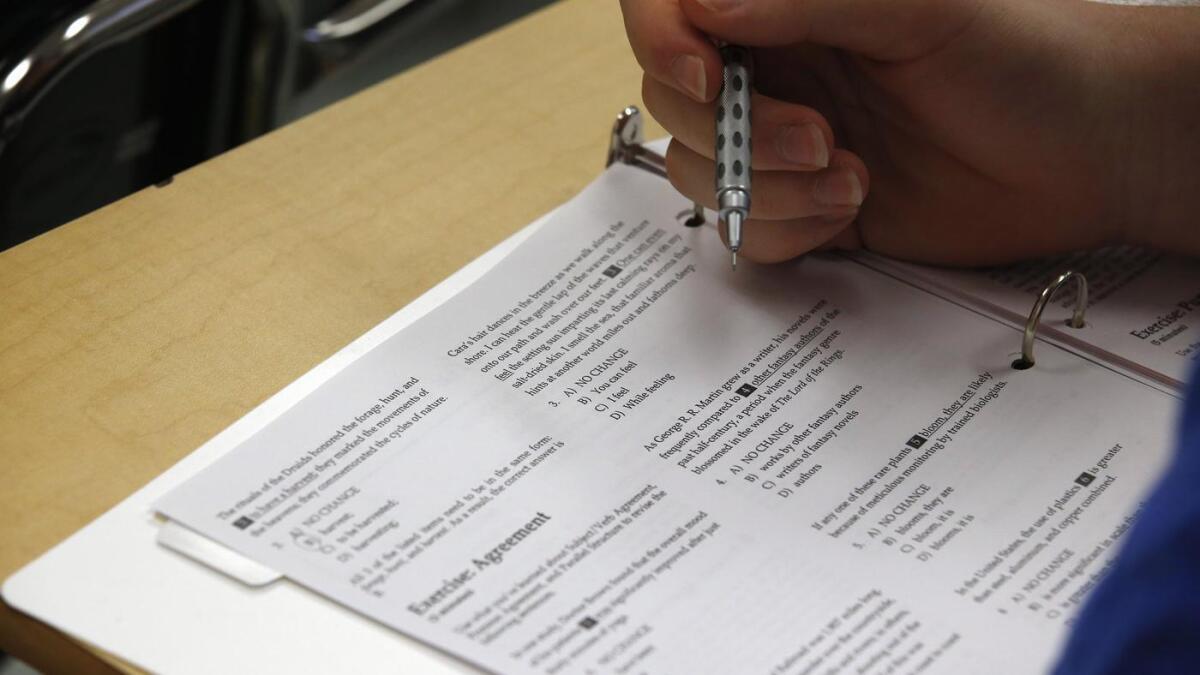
733,133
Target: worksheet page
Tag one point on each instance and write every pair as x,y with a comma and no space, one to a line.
1143,305
615,455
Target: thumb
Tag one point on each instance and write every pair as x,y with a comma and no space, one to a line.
886,30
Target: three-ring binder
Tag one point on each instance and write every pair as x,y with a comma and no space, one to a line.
626,146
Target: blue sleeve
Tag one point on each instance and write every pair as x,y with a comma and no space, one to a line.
1144,617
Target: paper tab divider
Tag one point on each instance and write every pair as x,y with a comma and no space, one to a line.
190,543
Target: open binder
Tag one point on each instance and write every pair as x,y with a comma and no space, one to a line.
626,148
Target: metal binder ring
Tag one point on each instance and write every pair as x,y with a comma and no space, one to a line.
625,146
1035,314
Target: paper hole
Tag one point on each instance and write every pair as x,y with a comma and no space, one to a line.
1022,364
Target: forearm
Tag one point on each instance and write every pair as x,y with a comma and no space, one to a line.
1155,55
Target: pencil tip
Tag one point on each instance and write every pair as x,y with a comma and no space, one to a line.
734,260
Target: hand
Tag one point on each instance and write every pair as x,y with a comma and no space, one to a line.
943,131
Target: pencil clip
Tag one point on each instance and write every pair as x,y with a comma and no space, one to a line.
625,146
1035,315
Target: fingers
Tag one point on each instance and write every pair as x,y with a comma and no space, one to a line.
786,136
670,49
792,212
778,195
879,29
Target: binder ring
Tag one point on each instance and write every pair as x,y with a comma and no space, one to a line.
625,146
1035,314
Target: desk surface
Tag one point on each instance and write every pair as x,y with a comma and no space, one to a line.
134,334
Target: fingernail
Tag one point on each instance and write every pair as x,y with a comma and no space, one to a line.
803,144
689,73
839,187
720,5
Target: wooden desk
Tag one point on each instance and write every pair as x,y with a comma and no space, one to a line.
132,335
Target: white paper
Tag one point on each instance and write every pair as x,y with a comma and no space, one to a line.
109,585
1143,306
891,497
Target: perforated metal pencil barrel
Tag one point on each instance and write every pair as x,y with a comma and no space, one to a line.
733,142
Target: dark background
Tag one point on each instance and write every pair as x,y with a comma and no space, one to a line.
122,115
